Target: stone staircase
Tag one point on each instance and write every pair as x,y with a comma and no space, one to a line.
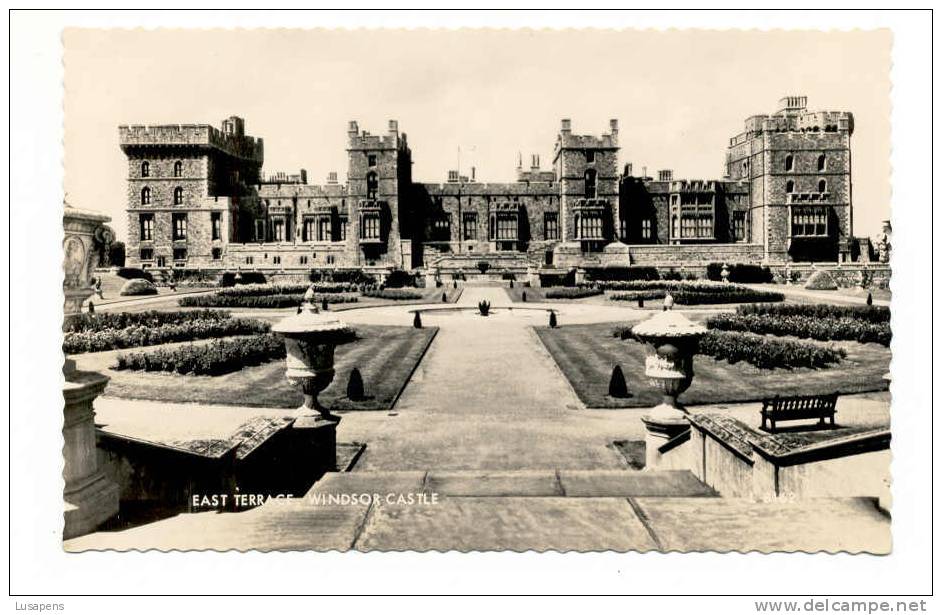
543,510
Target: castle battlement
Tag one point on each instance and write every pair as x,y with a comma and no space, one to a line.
794,117
190,135
363,140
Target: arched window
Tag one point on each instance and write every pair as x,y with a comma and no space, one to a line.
822,163
789,187
178,196
178,169
822,185
372,185
145,196
590,186
789,162
145,169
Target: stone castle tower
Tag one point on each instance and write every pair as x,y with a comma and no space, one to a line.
184,186
797,164
379,173
587,169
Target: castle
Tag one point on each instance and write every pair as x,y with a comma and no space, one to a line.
197,199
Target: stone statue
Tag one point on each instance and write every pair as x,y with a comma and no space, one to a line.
884,242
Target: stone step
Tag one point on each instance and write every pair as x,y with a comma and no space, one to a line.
521,483
491,523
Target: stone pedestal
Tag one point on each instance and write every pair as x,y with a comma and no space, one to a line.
659,430
90,498
315,442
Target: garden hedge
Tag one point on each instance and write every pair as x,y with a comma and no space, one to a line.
740,272
151,335
814,327
571,293
213,359
396,294
138,287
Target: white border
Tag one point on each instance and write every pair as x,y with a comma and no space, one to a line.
40,567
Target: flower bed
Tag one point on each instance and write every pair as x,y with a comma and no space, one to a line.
867,313
571,293
767,352
227,299
762,351
210,359
691,293
101,321
150,335
395,294
814,327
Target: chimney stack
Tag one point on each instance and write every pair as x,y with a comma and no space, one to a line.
452,177
332,177
613,127
353,129
472,173
519,161
534,162
393,127
665,175
628,169
566,127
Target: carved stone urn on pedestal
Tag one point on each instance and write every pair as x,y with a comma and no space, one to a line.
673,340
310,340
90,497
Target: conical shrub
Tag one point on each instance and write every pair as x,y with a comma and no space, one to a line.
444,298
640,303
355,384
869,298
417,321
324,305
523,296
617,387
552,322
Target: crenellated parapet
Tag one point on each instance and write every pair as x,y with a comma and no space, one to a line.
191,135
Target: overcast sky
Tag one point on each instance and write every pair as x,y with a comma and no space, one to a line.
678,96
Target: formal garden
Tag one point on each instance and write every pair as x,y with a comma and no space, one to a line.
752,353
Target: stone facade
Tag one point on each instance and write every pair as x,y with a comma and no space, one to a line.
197,198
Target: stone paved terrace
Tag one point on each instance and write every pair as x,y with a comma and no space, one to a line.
489,424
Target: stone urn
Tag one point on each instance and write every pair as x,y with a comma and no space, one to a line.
724,273
90,497
310,340
673,340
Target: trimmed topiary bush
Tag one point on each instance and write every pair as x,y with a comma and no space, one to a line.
484,307
417,321
444,298
355,385
617,387
821,280
138,287
552,320
767,352
523,296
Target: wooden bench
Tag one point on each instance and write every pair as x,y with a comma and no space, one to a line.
797,408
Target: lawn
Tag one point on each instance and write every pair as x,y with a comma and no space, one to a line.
586,355
385,355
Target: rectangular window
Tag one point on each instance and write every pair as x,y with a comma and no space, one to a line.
216,221
147,254
646,228
217,254
323,229
551,225
147,227
342,228
590,156
809,221
696,226
276,260
370,227
331,259
278,230
179,254
259,230
302,260
506,228
469,222
161,261
249,260
371,160
179,227
307,229
739,225
590,227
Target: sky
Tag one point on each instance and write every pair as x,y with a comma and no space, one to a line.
678,95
